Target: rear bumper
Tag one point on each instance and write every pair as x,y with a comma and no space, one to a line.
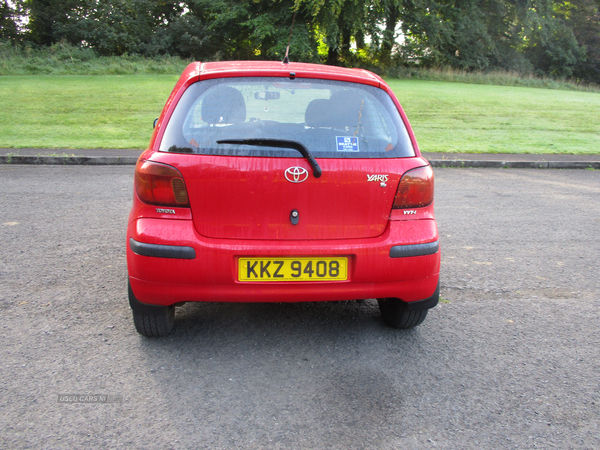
168,262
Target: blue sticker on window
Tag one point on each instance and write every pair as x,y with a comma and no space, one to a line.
347,144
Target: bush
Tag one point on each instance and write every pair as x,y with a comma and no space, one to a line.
65,59
497,78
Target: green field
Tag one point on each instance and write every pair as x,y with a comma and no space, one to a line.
87,111
457,117
112,111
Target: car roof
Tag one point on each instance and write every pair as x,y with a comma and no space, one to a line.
225,69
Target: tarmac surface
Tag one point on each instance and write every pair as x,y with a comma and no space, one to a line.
480,160
508,360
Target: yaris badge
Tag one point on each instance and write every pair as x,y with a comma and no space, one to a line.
296,174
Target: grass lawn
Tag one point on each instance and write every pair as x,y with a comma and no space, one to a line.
112,111
474,118
81,111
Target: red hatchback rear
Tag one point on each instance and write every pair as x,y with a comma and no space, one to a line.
271,182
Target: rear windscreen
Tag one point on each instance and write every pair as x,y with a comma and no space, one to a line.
333,119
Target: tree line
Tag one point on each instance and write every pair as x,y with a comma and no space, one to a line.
545,37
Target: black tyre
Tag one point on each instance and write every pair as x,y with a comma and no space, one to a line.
151,320
396,314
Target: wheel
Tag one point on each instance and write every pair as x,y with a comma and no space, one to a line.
151,320
396,314
155,325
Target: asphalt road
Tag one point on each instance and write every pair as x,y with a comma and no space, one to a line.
508,360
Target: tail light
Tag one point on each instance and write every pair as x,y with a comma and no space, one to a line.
159,184
415,189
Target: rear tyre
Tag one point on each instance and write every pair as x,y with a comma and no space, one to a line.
155,325
395,313
151,320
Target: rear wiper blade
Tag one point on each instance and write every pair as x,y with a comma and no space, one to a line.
280,143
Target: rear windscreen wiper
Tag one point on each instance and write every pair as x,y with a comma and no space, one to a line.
280,143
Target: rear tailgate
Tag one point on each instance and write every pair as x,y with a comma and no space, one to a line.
250,197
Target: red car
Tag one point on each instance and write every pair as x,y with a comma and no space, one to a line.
273,182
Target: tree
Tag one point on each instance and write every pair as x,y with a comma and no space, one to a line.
8,21
342,22
236,29
556,37
123,26
584,18
392,13
49,18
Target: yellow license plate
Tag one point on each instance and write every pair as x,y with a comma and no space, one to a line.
292,269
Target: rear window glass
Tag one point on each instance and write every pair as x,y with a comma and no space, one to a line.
332,119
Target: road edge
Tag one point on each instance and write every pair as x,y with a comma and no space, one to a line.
437,163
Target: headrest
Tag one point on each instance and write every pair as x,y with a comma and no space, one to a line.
345,108
223,104
317,113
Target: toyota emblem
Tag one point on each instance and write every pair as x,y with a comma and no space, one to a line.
296,174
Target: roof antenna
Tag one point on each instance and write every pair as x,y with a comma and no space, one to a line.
286,60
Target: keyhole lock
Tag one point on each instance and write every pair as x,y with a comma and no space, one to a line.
294,217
